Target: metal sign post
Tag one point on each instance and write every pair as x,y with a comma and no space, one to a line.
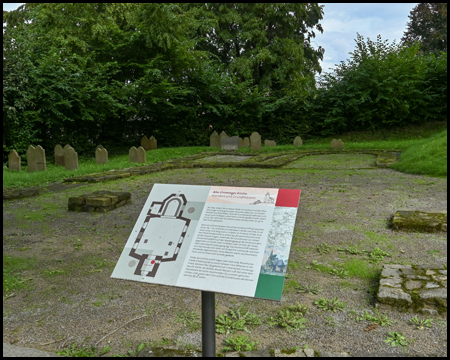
208,324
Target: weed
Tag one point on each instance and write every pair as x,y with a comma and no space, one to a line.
12,269
395,339
339,272
291,320
323,248
377,254
73,351
239,343
353,250
378,318
190,319
332,305
421,324
134,353
309,289
330,321
77,245
316,266
235,320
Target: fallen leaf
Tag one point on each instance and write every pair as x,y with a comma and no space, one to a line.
371,327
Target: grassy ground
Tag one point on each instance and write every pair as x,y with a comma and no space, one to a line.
424,152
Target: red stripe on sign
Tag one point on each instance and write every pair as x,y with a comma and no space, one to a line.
288,198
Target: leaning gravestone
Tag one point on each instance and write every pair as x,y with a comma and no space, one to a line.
36,159
101,156
214,140
230,143
59,155
152,143
270,143
70,158
298,141
14,161
337,144
255,141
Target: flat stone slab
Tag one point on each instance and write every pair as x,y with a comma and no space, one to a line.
420,221
99,201
419,288
224,158
334,161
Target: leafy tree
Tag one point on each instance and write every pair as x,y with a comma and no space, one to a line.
381,86
428,26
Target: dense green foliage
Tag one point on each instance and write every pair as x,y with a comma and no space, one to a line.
109,73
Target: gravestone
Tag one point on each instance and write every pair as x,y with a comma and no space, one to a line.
270,143
222,135
153,143
36,159
14,161
255,141
101,155
140,154
230,143
246,142
59,155
99,147
337,144
298,141
133,155
214,140
145,143
70,158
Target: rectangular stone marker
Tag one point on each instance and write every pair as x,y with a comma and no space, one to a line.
101,156
145,143
59,155
337,144
255,141
270,143
232,240
214,140
70,158
230,143
36,159
14,161
298,141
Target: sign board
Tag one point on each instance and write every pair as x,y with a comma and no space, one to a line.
232,240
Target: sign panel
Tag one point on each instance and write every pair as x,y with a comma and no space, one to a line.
233,240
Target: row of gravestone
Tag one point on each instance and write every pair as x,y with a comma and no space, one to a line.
66,156
225,142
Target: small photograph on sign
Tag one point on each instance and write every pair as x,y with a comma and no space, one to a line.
275,261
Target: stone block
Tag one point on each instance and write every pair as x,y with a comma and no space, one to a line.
298,141
101,156
99,201
229,143
214,140
392,282
393,296
420,221
411,285
14,161
70,158
390,272
255,141
59,155
337,144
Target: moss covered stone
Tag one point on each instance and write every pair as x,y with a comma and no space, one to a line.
99,201
420,221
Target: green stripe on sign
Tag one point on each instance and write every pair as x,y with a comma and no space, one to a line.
269,287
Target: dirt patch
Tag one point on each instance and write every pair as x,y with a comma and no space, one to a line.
71,298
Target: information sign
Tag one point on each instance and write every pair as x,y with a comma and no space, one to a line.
232,240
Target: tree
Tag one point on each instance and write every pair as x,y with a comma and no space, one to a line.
428,26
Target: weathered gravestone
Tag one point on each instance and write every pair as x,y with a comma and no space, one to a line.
214,140
145,143
36,159
101,155
298,141
14,161
270,143
70,158
255,141
230,143
59,155
153,143
244,142
222,135
337,144
99,147
137,155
